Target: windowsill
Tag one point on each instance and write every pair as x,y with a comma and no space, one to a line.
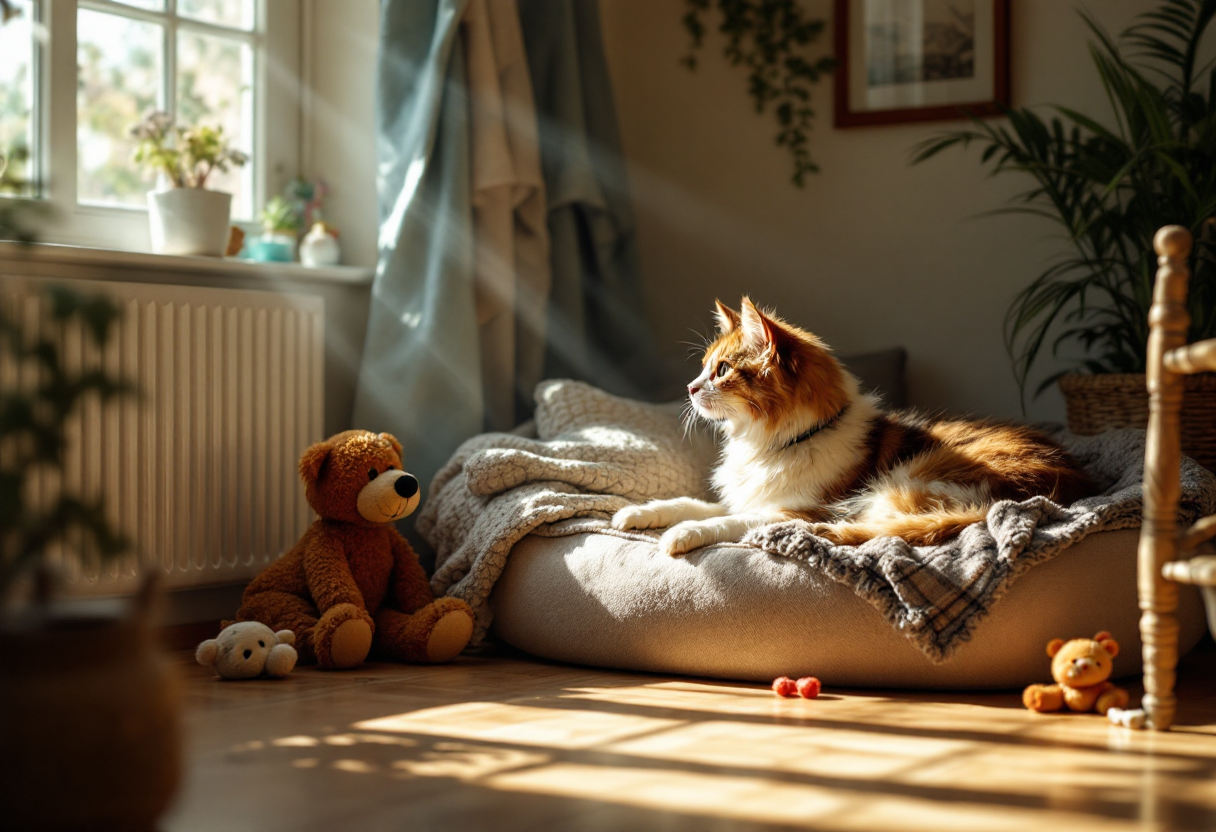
53,253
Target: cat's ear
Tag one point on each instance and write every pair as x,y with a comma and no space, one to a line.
728,319
759,331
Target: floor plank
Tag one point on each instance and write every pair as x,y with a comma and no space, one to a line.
504,742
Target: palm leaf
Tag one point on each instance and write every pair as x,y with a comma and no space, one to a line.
1109,185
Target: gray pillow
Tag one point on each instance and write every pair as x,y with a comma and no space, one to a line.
734,612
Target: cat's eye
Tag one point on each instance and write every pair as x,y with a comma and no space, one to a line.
372,473
723,367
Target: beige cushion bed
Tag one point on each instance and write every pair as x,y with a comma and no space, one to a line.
519,527
737,613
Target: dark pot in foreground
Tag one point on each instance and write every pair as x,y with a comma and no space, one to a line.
91,736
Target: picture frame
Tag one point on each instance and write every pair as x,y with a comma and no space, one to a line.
920,60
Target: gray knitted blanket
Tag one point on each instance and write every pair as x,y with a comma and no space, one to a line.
593,453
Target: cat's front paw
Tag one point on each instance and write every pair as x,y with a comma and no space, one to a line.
638,517
682,538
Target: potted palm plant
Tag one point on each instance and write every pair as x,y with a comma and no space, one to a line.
1111,185
184,216
90,736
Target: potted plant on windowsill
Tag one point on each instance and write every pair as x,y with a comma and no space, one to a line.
280,224
89,705
1112,186
16,209
184,216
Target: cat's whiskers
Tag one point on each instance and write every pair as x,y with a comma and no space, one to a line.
688,417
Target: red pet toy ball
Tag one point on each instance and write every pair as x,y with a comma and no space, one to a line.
808,687
785,686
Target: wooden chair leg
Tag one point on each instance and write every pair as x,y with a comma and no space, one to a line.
1159,633
1168,322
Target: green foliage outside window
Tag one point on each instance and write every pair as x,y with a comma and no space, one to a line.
120,79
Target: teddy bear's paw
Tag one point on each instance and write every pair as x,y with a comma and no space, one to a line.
1113,699
449,636
280,661
350,644
639,517
343,637
1043,698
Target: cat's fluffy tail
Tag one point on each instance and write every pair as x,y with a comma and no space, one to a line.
927,529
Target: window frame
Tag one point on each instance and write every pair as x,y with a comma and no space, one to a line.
276,113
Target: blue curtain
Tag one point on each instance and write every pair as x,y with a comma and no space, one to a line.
420,377
597,329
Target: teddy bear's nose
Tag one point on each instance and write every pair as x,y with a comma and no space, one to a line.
248,653
406,486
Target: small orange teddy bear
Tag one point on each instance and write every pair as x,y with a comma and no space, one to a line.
1081,668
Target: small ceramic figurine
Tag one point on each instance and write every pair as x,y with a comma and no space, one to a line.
320,246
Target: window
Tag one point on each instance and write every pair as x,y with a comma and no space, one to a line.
75,77
18,94
192,58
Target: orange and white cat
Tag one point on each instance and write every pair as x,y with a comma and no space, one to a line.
802,441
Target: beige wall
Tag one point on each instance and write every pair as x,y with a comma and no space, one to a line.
339,138
871,252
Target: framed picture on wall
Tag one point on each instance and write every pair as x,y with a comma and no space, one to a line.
920,60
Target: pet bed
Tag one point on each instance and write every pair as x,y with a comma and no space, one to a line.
520,529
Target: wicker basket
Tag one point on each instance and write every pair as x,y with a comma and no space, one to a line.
1120,400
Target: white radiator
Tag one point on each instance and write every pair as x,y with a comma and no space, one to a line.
200,473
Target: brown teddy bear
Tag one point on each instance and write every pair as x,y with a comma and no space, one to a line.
352,581
1081,668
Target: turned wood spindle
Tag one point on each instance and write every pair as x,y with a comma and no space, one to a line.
1168,322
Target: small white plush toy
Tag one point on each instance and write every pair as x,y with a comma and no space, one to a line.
1135,718
248,649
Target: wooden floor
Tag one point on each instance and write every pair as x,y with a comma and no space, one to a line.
504,743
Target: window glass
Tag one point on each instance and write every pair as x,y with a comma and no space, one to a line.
215,89
120,64
17,117
235,13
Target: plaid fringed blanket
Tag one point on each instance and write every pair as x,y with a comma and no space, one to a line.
593,453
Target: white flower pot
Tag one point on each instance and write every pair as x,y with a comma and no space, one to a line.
189,221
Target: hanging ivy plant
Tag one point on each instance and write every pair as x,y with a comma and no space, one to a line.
770,38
